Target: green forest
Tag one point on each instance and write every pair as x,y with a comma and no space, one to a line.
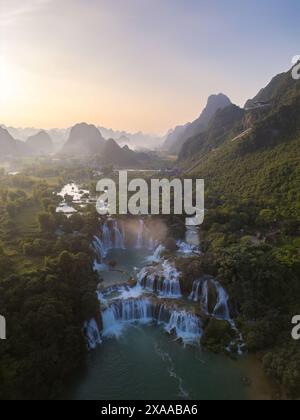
249,159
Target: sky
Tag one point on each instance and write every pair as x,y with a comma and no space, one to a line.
137,65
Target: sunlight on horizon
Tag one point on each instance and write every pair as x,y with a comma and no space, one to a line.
132,65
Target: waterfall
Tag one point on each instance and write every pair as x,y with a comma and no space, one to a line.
192,236
99,248
204,297
200,293
187,249
140,234
195,296
112,327
126,312
186,326
150,282
111,238
171,284
156,257
163,280
144,239
118,236
92,333
106,237
221,310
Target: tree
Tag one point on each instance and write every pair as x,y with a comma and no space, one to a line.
267,216
46,222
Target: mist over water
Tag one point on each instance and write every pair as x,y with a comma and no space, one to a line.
147,349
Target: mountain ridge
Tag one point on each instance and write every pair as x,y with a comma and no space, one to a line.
40,143
177,137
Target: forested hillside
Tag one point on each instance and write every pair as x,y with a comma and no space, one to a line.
251,230
47,288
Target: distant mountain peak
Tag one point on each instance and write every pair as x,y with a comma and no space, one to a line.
214,103
10,147
40,143
84,139
177,137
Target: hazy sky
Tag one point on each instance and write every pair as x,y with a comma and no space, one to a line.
137,64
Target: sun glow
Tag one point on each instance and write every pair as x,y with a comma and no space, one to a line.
8,81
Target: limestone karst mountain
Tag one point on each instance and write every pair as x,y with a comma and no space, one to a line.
84,140
41,143
9,147
177,137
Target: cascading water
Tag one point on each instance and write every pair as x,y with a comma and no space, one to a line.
186,327
221,310
99,248
192,236
163,280
187,249
200,293
126,312
119,237
140,233
144,239
111,238
204,297
107,237
196,291
125,305
156,257
170,283
92,333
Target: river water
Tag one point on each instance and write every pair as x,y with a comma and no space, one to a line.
146,364
143,362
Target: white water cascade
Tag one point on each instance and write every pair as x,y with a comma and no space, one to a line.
164,280
111,237
140,234
221,310
200,293
146,302
156,257
144,239
107,237
126,312
196,291
184,325
170,283
92,333
187,249
119,236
